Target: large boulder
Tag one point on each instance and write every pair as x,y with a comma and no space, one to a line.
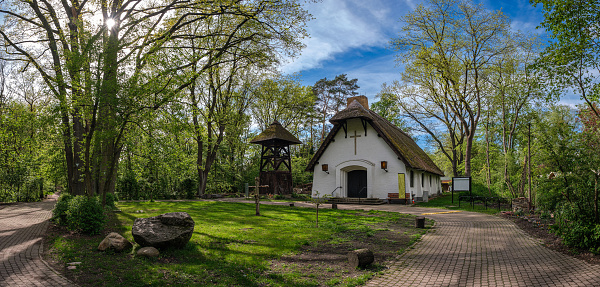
114,241
169,230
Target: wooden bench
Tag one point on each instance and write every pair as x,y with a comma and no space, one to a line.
396,196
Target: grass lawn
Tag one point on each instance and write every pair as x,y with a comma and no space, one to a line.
445,201
232,247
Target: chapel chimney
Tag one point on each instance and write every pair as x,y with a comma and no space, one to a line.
363,100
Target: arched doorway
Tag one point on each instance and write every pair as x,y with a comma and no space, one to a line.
357,183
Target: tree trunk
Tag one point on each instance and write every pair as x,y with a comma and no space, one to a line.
596,216
487,153
468,148
110,129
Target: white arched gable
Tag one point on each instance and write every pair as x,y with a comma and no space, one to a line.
342,169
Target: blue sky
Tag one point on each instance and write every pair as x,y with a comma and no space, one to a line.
352,37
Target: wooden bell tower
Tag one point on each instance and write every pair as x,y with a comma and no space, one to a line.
275,159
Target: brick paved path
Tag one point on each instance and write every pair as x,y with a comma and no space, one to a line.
22,227
474,249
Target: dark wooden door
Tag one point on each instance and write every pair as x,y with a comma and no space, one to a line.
357,183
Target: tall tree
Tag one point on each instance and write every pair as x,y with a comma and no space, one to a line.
572,59
388,108
514,87
331,96
222,69
450,45
283,99
424,104
107,76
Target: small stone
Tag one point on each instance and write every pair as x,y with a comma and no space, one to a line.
73,263
114,241
148,252
72,267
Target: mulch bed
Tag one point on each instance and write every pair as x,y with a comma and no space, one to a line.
540,228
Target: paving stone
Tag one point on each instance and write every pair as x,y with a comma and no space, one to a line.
23,226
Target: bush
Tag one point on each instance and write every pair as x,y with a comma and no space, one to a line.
187,188
111,198
576,228
85,214
59,213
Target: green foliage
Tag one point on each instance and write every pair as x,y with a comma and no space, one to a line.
331,96
441,90
577,228
283,99
110,200
85,214
127,186
388,108
188,188
568,185
59,213
572,60
299,175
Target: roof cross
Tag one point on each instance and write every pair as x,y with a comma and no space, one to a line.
355,136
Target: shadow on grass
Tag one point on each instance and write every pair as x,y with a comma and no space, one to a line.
230,246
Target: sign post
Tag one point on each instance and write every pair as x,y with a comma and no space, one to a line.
461,184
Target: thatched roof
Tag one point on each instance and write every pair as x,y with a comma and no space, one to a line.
401,143
275,134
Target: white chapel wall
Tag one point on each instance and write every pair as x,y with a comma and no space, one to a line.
370,151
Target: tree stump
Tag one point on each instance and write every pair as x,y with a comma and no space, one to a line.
360,258
420,222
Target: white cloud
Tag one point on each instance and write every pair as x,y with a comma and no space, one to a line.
339,26
374,73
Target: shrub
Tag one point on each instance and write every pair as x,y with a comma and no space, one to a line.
111,198
59,213
187,188
576,228
85,215
280,196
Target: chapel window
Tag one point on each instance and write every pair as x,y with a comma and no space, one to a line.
412,179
